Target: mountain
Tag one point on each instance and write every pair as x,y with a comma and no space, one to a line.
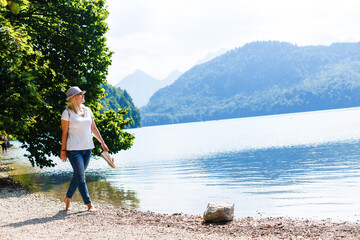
117,98
173,76
212,55
142,86
261,78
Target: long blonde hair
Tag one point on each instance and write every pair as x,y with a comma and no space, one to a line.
72,105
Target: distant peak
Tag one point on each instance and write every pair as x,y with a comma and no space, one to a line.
135,77
212,55
174,73
138,71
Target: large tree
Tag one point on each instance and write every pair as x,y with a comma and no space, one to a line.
45,47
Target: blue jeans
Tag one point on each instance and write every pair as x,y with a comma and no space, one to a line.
79,160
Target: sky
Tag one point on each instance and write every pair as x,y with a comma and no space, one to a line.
160,36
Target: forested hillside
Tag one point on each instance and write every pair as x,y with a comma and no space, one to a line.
261,78
118,98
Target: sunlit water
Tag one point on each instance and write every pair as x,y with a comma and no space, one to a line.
296,165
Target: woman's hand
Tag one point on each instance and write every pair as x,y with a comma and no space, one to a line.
63,156
104,147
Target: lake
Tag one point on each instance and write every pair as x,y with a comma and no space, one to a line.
304,165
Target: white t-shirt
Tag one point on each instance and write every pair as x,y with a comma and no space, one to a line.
79,135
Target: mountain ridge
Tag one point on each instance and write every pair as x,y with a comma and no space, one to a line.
260,78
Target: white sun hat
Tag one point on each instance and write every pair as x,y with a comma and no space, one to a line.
73,91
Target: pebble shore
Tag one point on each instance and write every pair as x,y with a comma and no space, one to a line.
25,215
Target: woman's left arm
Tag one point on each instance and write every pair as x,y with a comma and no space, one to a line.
97,134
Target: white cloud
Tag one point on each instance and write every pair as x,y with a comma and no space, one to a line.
158,36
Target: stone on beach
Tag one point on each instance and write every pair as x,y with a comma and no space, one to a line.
219,212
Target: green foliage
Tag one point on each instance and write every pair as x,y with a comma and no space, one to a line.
258,79
116,98
45,47
111,124
15,6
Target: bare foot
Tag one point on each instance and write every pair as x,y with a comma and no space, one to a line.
91,207
67,203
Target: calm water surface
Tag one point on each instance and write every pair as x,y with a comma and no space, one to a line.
296,165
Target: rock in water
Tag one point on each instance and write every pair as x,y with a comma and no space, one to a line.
219,212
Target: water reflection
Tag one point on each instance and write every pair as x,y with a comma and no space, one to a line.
280,166
55,184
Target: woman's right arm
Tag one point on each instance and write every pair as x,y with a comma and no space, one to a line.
65,130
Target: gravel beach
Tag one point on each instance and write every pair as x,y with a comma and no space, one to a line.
25,215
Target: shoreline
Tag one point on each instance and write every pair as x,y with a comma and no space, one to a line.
25,214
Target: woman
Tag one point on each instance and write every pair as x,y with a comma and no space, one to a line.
4,142
77,122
